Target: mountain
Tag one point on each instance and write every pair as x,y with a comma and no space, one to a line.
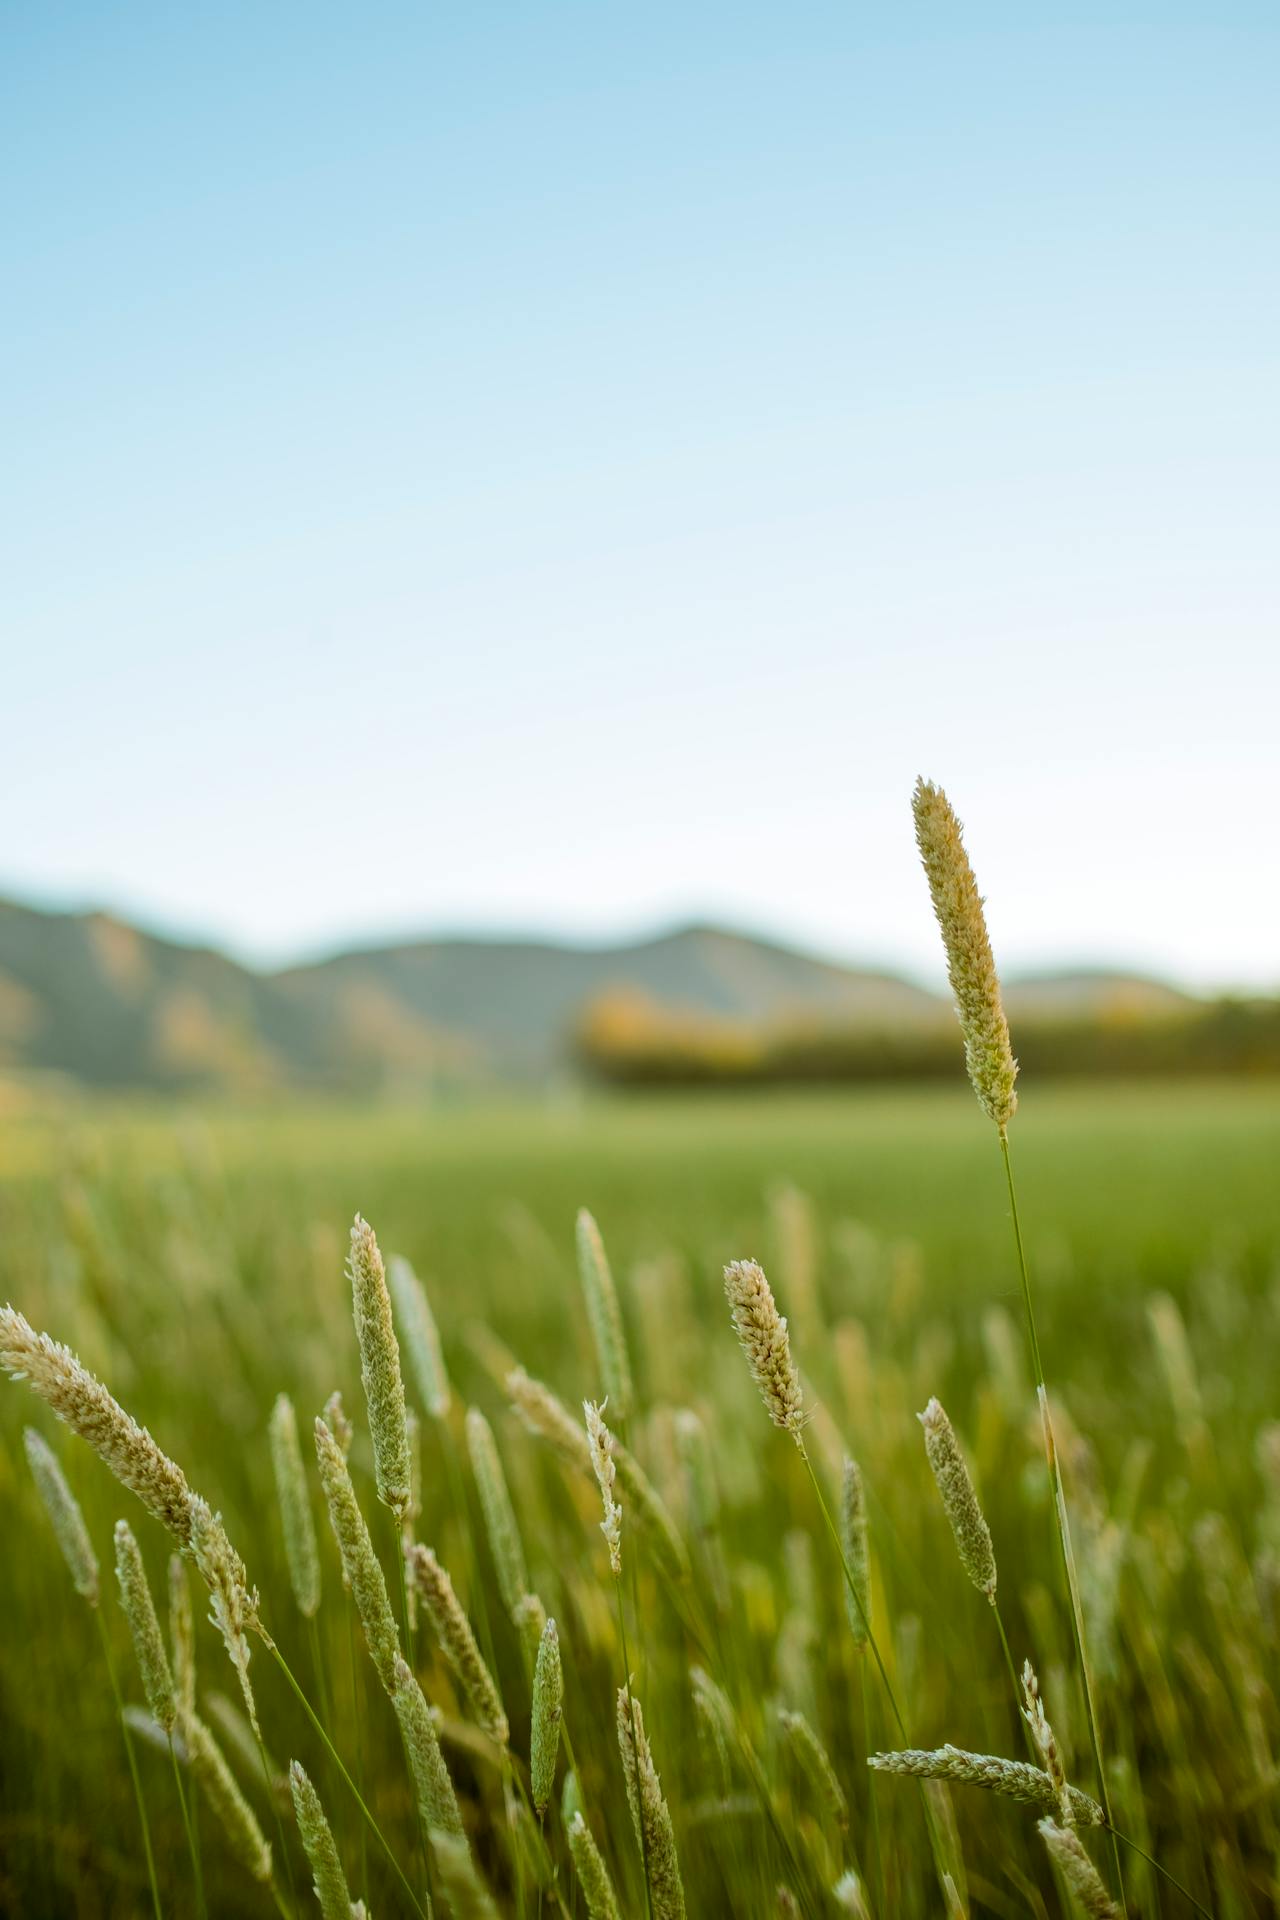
92,997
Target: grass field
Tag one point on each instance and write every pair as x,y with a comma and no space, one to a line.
195,1262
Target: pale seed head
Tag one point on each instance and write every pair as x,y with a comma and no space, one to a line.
600,1441
605,1316
295,1508
144,1628
971,966
959,1501
380,1369
762,1335
64,1512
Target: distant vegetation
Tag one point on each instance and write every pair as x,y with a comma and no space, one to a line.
90,999
626,1040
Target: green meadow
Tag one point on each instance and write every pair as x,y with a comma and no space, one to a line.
194,1260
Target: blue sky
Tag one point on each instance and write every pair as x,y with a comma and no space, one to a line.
569,468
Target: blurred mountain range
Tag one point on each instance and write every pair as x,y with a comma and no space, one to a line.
93,998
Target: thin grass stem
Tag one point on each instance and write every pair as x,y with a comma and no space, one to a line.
1058,1498
133,1763
352,1788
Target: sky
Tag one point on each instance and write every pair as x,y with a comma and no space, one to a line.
568,468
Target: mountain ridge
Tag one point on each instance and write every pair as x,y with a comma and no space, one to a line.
93,996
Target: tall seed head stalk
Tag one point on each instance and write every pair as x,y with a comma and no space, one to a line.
138,1463
1079,1872
437,1802
360,1565
295,1508
1046,1744
336,1420
232,1607
600,1442
960,1502
593,1875
380,1369
53,1372
499,1515
548,1706
548,1418
144,1629
717,1728
815,1763
64,1512
328,1879
453,1630
182,1636
605,1316
466,1896
421,1338
762,1335
853,1539
971,966
529,1619
1015,1779
650,1814
218,1783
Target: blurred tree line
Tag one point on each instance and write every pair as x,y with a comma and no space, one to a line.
625,1039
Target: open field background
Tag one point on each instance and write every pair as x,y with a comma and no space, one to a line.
195,1262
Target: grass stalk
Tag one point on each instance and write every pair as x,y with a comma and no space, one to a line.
635,1744
197,1873
133,1764
1058,1498
352,1788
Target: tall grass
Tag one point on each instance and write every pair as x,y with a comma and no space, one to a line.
680,1717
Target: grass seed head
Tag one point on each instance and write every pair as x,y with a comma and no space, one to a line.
182,1635
360,1565
335,1418
1079,1872
380,1370
453,1630
816,1764
548,1707
548,1418
295,1508
64,1512
437,1802
53,1371
233,1608
605,1317
593,1875
959,1501
218,1784
853,1539
466,1896
144,1628
328,1879
1015,1779
762,1335
499,1515
1042,1735
421,1338
600,1441
650,1814
971,966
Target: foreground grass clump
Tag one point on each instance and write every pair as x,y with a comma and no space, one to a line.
202,1281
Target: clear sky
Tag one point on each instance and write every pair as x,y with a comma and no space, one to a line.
569,467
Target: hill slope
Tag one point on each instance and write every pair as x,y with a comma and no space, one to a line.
92,997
